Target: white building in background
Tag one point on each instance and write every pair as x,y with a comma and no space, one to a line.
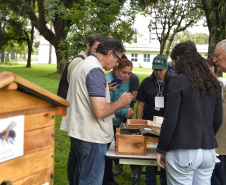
141,52
44,49
146,46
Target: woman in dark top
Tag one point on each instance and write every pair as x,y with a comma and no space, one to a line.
192,118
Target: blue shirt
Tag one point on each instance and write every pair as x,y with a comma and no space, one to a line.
122,88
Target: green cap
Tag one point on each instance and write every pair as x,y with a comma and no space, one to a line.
189,41
159,62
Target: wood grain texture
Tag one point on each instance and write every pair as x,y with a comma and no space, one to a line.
61,111
12,86
27,165
137,126
38,139
27,112
39,178
130,144
137,121
16,101
5,79
39,120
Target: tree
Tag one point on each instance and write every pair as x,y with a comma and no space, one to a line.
199,38
64,13
110,18
173,17
215,12
38,18
15,29
3,34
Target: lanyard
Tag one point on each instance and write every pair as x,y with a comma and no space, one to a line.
159,89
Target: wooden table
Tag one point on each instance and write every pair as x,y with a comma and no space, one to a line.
147,160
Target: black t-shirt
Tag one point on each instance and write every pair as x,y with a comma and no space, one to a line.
147,92
133,85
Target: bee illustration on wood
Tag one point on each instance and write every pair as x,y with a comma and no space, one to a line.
8,134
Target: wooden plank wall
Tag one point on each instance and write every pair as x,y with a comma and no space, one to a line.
36,166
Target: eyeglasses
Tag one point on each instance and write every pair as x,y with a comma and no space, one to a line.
119,59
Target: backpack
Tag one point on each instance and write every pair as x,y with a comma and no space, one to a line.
63,85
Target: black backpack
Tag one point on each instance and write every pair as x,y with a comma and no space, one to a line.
63,85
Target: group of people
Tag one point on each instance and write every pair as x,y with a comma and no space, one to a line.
189,99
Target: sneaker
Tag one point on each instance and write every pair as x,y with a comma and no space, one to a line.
118,169
134,174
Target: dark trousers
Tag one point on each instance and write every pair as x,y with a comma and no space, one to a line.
218,172
71,165
108,174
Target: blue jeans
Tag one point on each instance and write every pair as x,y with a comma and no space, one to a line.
150,179
91,161
190,166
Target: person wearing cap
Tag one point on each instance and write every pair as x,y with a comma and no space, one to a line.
152,98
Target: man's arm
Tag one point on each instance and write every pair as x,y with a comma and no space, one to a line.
140,107
102,109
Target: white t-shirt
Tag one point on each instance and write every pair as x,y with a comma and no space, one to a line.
223,81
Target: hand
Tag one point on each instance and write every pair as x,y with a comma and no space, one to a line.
160,158
112,86
125,99
130,113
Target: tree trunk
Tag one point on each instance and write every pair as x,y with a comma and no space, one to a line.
50,47
61,62
13,55
24,55
50,54
169,44
7,58
2,56
30,42
215,26
29,55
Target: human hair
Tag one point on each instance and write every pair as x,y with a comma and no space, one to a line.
211,63
95,37
123,63
222,44
110,44
124,56
189,62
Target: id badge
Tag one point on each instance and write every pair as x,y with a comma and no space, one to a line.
159,102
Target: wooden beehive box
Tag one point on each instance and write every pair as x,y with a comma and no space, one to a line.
38,108
136,123
127,143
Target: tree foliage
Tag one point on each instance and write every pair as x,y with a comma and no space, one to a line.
197,38
14,32
77,17
172,17
110,18
215,11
